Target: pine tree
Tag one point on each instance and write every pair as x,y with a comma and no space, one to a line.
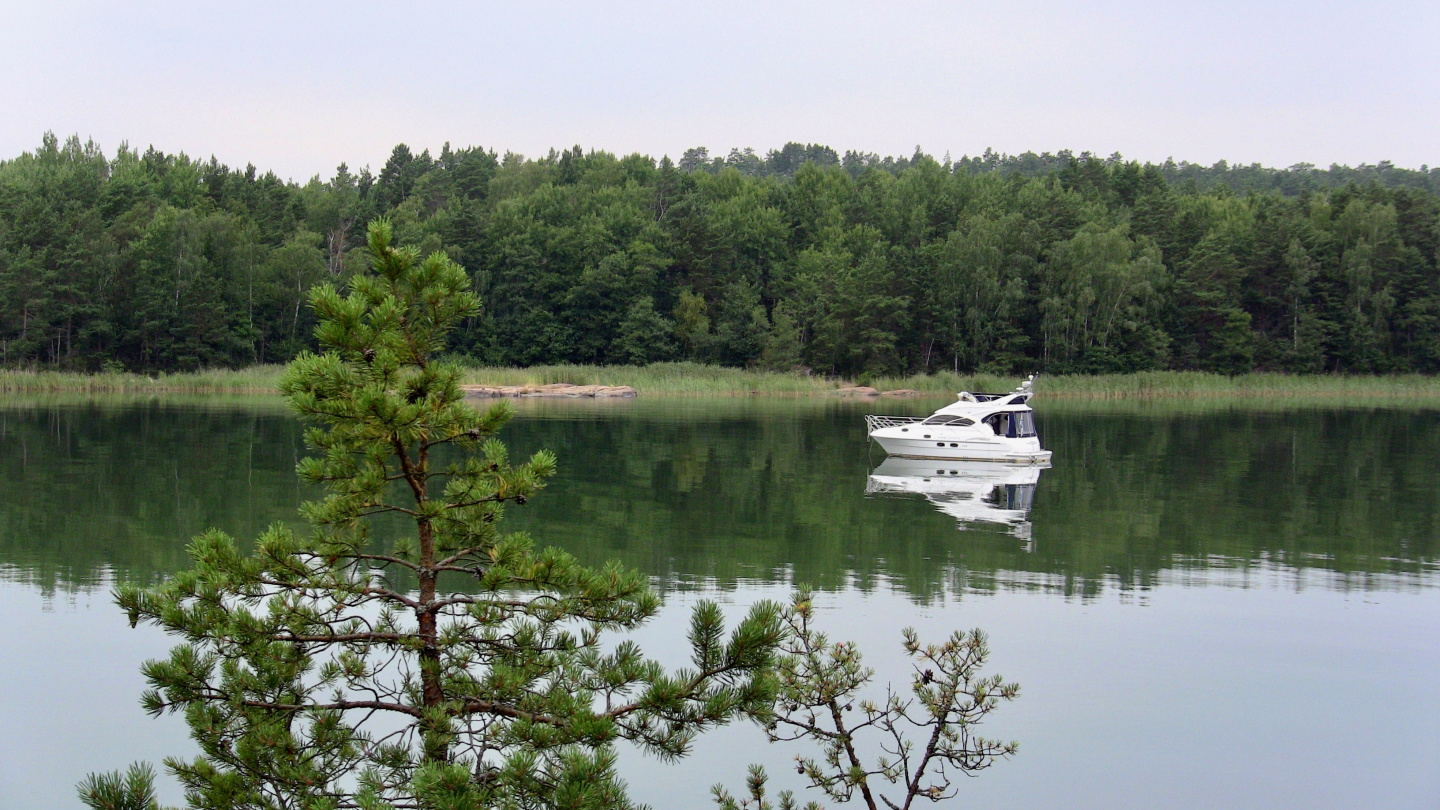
456,666
928,740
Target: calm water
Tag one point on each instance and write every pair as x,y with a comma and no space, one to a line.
1204,607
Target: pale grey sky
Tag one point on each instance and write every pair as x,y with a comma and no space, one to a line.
298,87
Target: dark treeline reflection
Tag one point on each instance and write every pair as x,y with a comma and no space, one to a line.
1347,491
96,487
711,493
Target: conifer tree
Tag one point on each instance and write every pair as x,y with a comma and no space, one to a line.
405,652
927,740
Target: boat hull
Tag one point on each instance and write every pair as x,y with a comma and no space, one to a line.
1002,451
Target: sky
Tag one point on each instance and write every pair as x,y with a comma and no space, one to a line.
297,87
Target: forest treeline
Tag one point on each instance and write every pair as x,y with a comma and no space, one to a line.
845,264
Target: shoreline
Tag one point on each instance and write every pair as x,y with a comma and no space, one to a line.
695,380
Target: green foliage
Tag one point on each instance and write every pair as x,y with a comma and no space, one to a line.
783,344
132,790
819,701
692,324
1062,263
408,652
1098,303
645,335
979,284
755,795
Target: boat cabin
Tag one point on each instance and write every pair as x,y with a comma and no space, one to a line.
1008,415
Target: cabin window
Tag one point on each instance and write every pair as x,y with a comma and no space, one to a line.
1013,425
945,419
1000,423
1025,424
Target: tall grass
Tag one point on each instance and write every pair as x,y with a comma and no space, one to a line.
252,380
682,379
1161,384
695,379
1180,384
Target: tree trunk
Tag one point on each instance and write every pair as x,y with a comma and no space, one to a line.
432,691
434,730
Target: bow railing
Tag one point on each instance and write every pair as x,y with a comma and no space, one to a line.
874,422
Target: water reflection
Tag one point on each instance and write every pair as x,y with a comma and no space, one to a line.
701,493
971,492
1324,526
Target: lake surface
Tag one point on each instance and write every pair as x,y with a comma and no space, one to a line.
1204,606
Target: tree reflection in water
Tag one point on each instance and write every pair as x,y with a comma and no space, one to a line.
718,493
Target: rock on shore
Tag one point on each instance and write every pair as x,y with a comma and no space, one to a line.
553,390
867,391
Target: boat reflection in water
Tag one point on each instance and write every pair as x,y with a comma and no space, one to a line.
972,492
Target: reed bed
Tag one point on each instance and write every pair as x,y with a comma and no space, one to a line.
695,379
675,379
253,380
1191,384
1181,384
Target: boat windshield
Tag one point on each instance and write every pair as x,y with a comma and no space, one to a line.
957,421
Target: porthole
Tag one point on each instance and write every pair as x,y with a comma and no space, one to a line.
939,444
953,444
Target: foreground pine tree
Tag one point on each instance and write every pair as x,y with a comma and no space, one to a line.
428,660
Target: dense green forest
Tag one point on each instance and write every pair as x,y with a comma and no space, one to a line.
853,265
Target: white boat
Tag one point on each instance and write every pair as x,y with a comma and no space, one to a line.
976,427
971,492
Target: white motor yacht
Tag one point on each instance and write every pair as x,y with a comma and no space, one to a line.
976,427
